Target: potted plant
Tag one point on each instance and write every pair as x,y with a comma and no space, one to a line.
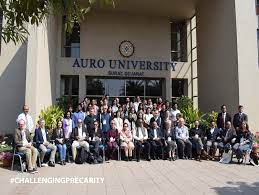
6,158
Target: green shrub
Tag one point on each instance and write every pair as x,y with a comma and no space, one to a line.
184,103
51,115
190,115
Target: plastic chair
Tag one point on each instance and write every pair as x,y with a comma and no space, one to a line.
20,155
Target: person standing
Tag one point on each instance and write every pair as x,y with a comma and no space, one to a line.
239,117
78,115
223,117
26,117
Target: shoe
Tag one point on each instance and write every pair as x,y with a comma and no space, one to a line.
174,158
148,159
130,158
170,158
44,164
31,171
35,170
51,164
64,162
138,159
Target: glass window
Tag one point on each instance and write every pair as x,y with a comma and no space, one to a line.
153,88
178,41
69,85
115,87
95,86
134,87
71,42
179,87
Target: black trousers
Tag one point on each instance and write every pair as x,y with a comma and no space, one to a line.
96,148
156,148
146,150
184,148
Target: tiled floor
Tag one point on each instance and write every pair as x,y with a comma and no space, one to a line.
155,177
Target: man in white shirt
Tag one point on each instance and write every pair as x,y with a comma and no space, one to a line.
26,118
140,136
174,112
136,103
23,143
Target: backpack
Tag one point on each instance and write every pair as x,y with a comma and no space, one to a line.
81,156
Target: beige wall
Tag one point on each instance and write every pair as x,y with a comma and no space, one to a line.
41,61
248,68
101,34
227,56
12,84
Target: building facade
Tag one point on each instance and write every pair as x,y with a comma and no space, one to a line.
195,48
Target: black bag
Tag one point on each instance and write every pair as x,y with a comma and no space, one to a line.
90,158
81,156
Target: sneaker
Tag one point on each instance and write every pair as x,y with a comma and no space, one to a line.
44,164
35,170
31,171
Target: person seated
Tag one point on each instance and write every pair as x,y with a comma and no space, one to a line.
126,142
196,136
22,140
245,141
95,137
182,139
140,136
112,139
156,140
79,138
229,138
212,138
42,141
59,137
170,140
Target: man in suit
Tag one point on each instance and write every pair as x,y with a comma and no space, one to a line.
23,143
239,117
196,136
156,118
79,137
95,138
223,117
42,140
155,138
212,138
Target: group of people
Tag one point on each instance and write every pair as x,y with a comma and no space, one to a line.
149,130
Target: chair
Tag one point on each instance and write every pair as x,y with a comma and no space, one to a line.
20,155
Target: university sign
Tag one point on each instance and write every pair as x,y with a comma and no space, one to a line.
124,67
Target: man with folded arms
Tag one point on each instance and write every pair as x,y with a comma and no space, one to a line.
42,140
23,143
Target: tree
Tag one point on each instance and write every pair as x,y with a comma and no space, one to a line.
18,13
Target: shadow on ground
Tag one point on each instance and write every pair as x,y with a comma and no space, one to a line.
238,188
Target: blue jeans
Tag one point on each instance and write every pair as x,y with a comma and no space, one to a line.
62,148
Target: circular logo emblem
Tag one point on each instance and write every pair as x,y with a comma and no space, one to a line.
126,49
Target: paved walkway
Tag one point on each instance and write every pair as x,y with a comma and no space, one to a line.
155,177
